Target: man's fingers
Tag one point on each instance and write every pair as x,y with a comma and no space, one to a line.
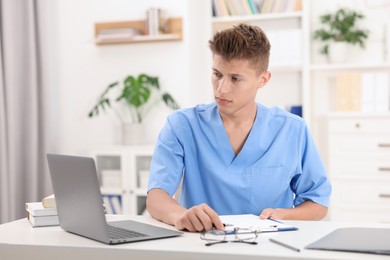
215,220
199,218
266,213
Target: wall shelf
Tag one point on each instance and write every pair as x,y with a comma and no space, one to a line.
173,33
351,66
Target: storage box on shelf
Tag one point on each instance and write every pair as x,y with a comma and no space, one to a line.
359,166
125,32
123,175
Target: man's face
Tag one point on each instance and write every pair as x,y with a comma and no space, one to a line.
235,84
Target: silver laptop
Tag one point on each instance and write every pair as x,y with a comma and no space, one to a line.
80,204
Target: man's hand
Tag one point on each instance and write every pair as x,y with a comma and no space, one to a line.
308,210
198,218
272,213
163,207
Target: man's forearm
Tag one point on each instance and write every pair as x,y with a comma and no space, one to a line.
162,206
308,210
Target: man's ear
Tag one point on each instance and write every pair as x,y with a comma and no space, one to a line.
264,78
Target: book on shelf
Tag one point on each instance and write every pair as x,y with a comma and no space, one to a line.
375,90
220,8
49,201
388,40
348,92
382,92
255,5
37,209
43,221
368,93
112,204
154,21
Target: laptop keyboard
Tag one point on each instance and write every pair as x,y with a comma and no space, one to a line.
119,233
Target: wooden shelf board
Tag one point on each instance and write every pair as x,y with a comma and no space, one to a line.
174,32
144,38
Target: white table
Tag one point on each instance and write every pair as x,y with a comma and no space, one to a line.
18,240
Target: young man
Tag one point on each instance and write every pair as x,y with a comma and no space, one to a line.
236,156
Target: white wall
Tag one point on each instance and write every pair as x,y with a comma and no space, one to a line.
80,70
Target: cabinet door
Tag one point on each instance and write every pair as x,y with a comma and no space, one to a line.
109,170
138,162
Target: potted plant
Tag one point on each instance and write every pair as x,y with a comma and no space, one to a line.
139,94
339,30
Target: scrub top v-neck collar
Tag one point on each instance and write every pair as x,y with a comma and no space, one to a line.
250,148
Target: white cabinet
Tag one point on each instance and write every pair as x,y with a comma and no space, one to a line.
359,167
123,175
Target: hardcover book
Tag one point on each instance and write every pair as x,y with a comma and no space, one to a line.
37,209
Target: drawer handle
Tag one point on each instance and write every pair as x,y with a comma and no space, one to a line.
384,169
383,145
384,195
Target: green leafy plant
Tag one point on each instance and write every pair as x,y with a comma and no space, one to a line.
341,27
137,93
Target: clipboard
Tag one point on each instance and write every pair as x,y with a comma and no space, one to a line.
360,240
253,221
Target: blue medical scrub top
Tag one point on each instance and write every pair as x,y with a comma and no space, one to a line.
278,166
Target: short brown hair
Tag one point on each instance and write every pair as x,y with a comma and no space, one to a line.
243,41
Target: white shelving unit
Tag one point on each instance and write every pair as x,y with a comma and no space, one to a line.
132,162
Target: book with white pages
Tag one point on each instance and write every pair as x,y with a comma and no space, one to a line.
37,209
43,221
253,222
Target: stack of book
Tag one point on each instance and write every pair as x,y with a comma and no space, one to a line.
41,214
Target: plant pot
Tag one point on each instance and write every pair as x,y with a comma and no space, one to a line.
135,134
338,52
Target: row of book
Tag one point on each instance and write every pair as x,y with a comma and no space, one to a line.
112,204
362,92
249,7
